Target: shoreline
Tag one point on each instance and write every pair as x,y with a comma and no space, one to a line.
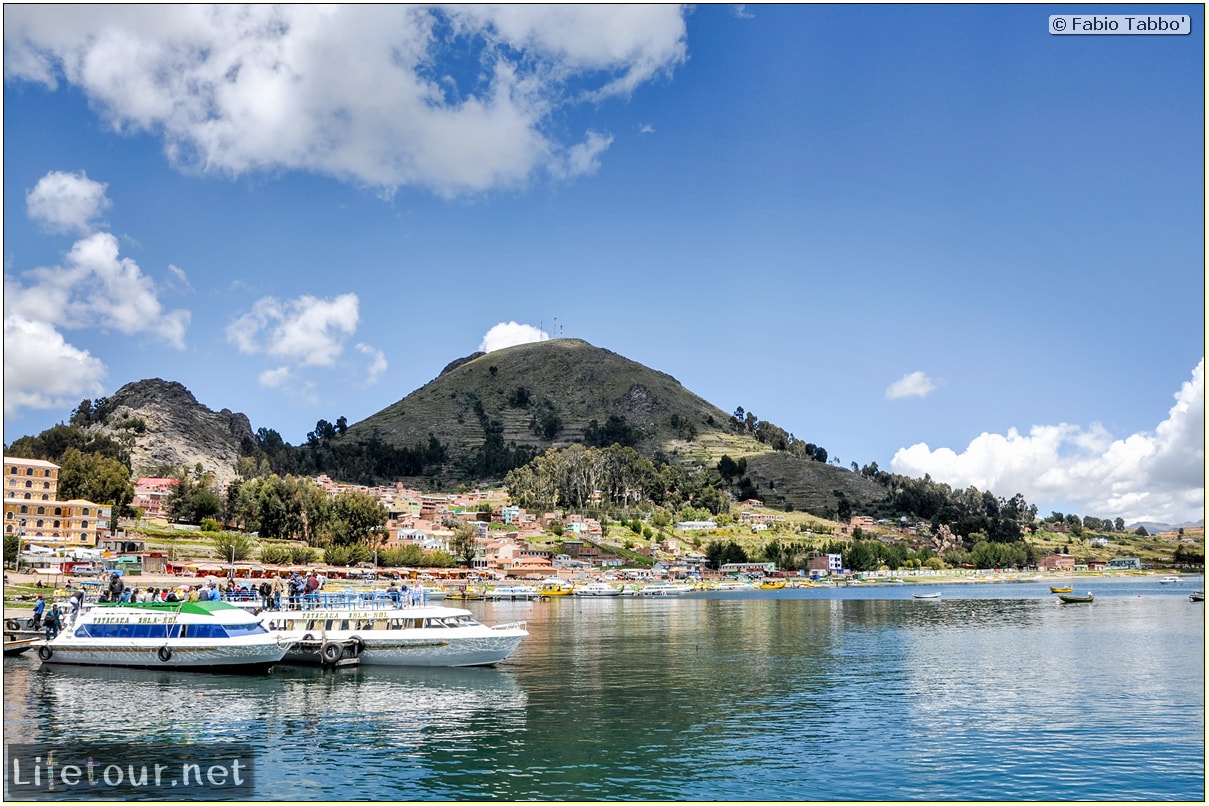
173,581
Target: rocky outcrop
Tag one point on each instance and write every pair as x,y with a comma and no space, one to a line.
165,426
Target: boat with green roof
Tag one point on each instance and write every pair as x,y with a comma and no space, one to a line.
201,636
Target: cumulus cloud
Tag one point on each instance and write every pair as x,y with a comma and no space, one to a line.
96,288
914,384
304,332
1157,475
377,362
507,334
456,99
66,202
43,371
273,378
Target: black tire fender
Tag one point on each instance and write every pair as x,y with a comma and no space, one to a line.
358,646
164,653
12,624
44,652
331,651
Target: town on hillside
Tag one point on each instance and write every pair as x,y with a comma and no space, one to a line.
482,534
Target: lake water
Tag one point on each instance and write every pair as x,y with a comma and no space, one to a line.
992,692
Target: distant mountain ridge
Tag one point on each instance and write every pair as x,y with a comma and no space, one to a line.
1154,527
525,399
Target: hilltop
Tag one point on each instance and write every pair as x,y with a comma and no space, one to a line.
481,416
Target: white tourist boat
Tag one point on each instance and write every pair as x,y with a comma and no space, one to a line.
1170,580
511,593
733,585
596,589
380,632
175,635
665,589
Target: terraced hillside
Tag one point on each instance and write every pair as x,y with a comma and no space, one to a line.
547,394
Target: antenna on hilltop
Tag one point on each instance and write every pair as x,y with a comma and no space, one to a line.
556,327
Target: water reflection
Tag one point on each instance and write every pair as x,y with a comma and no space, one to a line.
839,695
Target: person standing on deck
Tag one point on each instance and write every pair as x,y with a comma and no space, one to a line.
52,622
39,609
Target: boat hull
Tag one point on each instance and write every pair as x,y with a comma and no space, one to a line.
596,589
405,636
201,656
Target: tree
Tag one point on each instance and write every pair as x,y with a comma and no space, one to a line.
233,546
96,478
357,517
463,544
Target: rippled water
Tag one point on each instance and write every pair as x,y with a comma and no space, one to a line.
993,692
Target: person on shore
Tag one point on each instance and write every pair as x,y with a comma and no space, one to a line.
266,595
39,609
278,588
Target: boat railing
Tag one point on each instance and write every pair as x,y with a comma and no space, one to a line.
361,600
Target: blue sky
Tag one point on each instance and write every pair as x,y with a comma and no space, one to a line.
937,238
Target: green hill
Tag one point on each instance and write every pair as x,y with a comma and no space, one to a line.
551,394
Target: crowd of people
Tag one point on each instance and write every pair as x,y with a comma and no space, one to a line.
295,592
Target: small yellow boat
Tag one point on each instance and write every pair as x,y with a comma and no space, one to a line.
772,584
1057,589
555,587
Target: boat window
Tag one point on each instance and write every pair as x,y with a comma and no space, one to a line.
245,629
344,624
380,624
207,631
327,625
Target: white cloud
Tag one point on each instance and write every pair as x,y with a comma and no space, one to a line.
178,278
95,288
43,371
306,332
65,202
1157,475
508,334
457,99
646,128
273,378
583,159
377,362
914,384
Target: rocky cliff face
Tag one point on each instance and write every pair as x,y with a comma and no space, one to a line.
166,426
